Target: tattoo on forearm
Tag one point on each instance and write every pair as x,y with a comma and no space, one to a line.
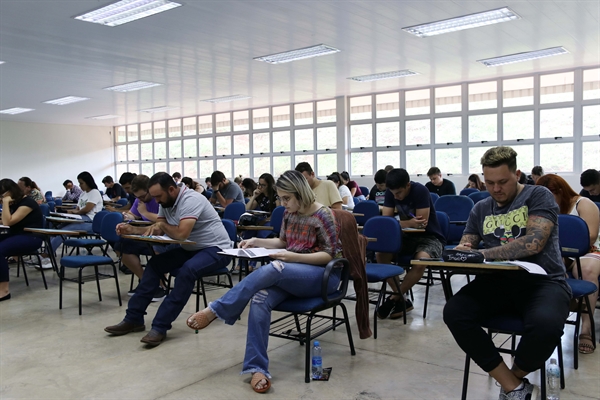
472,239
538,232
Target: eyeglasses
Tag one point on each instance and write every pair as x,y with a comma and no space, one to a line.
260,185
142,197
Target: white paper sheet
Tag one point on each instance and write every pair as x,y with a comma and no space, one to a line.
67,215
532,268
254,252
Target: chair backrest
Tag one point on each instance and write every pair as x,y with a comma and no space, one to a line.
48,193
122,202
277,219
51,205
230,228
369,208
356,200
209,193
364,190
478,196
45,209
246,200
458,209
468,191
597,204
58,202
234,210
434,197
387,232
573,236
444,222
97,221
109,224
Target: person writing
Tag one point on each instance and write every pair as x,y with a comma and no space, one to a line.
264,198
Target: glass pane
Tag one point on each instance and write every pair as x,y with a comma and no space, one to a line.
175,149
206,168
223,122
327,138
518,125
260,118
241,120
304,139
388,134
524,157
190,169
280,165
590,155
483,127
121,169
361,163
417,162
133,152
591,120
483,95
556,122
475,154
205,124
133,168
361,136
448,99
223,145
448,130
132,133
326,164
122,153
160,150
174,166
189,127
241,166
556,157
224,165
418,132
121,134
175,127
241,144
387,105
261,143
146,131
385,158
417,102
517,92
591,84
326,111
146,151
281,116
556,87
160,167
303,157
303,114
263,165
205,147
160,130
189,148
148,169
360,108
450,160
281,141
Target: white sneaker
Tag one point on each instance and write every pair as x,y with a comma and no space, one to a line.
46,263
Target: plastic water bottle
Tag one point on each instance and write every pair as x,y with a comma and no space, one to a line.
553,378
317,361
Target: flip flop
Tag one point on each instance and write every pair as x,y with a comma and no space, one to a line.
257,377
586,348
199,320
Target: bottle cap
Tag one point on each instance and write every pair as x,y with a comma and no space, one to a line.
317,343
553,361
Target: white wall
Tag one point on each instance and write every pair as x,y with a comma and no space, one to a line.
49,154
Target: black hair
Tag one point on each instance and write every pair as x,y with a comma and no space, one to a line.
163,179
88,179
176,175
336,178
216,178
271,192
380,176
207,180
589,177
189,182
397,178
139,182
126,178
249,186
10,186
433,171
65,183
345,176
108,179
537,170
304,167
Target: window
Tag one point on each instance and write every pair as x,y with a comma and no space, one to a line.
280,165
448,99
388,134
525,161
417,162
387,105
160,130
121,168
148,169
175,149
449,160
133,152
160,167
418,132
360,108
174,127
361,136
146,151
224,165
417,102
223,122
261,143
133,168
262,165
205,124
309,158
241,121
160,150
241,166
205,147
303,114
326,111
590,155
304,140
556,123
556,87
189,148
518,125
556,157
361,163
223,145
174,166
483,95
326,164
385,158
132,133
483,128
591,84
475,154
206,167
121,134
281,116
517,92
327,138
281,141
146,131
448,130
241,145
190,168
189,126
591,120
122,153
260,118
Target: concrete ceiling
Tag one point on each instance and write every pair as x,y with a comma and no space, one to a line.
205,49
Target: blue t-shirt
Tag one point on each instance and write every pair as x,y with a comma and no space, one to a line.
417,198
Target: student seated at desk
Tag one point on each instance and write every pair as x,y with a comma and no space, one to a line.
377,193
347,199
352,186
225,192
248,187
31,189
309,233
325,191
114,191
72,192
590,181
437,184
474,182
18,212
264,197
125,181
192,184
517,222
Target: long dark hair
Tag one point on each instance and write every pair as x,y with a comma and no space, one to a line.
10,186
189,182
249,186
271,192
29,183
88,179
475,179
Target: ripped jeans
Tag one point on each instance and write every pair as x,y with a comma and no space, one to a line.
268,286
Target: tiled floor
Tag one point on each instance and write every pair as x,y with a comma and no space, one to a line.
47,353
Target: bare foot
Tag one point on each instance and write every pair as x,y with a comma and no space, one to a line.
201,319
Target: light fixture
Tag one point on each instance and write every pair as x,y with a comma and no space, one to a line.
526,56
298,54
490,17
15,110
1,62
125,11
227,98
384,75
107,116
132,86
66,100
158,109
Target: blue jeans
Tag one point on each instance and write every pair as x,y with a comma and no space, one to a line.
268,286
15,245
83,226
187,266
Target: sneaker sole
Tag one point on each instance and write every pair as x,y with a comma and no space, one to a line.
401,313
155,299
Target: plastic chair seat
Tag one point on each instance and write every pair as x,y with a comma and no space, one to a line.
84,261
84,242
581,288
380,272
303,304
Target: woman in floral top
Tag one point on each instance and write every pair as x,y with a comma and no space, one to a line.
31,190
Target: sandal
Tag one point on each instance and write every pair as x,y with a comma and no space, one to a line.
256,378
584,347
199,320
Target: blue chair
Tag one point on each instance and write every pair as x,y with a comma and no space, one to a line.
356,200
122,202
277,219
458,209
233,211
109,224
45,213
389,240
58,202
89,244
468,191
369,208
434,197
246,200
478,196
364,190
48,194
574,238
51,205
597,204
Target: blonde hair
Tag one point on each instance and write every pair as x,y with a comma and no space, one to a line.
501,155
294,182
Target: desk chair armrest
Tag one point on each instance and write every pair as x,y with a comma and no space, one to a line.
344,278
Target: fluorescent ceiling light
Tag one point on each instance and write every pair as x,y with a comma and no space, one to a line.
299,54
15,110
107,116
526,56
66,100
125,11
158,109
384,75
228,98
503,14
131,86
1,62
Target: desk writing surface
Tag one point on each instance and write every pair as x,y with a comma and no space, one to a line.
250,253
54,231
66,220
258,212
254,228
67,215
499,266
157,239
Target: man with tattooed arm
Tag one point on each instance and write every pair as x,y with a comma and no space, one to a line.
517,222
